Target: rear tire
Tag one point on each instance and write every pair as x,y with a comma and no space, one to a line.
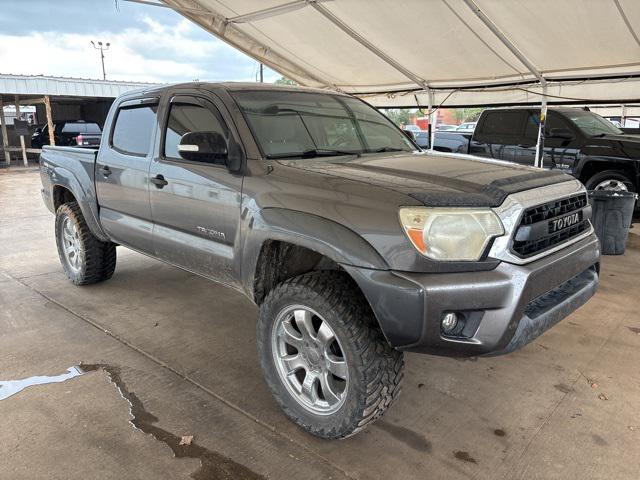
368,372
85,259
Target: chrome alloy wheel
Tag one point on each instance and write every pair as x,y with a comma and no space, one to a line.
310,360
612,185
71,244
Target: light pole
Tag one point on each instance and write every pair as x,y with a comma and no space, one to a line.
102,48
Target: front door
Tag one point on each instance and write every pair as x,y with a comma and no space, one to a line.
195,205
558,152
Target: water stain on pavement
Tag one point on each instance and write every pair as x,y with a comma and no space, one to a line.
563,388
9,388
598,440
464,456
213,465
407,436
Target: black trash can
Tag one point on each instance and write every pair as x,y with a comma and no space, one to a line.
611,219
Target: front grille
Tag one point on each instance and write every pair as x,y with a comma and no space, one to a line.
553,209
538,219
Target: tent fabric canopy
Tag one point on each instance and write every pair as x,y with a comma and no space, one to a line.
453,52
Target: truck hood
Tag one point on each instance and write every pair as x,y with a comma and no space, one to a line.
436,179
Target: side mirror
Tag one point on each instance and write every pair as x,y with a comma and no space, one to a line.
208,147
38,130
410,135
561,133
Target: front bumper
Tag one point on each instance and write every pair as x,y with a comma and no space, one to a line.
506,308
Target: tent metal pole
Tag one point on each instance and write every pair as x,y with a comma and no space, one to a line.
432,122
368,45
501,36
539,161
5,136
218,25
271,11
22,144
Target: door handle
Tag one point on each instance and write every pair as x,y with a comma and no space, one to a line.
106,171
159,181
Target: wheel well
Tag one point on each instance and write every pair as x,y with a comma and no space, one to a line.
279,261
62,195
592,168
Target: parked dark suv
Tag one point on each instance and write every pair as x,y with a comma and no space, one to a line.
77,133
577,141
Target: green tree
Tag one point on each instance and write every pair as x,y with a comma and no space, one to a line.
284,81
399,115
467,114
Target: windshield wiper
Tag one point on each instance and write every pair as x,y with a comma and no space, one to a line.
313,153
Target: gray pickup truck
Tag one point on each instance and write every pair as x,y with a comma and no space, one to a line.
355,245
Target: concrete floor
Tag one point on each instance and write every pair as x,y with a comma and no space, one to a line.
181,351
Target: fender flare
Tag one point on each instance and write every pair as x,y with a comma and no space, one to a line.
85,196
329,238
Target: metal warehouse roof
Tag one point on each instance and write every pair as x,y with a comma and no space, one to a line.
39,85
456,52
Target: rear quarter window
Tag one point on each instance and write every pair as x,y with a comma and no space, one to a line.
133,129
503,123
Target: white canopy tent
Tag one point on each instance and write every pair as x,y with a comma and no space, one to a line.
409,53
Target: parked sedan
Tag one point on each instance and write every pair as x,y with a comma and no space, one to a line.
467,126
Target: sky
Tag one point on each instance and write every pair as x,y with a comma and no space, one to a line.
148,44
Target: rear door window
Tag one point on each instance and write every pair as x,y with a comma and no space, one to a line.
504,127
133,129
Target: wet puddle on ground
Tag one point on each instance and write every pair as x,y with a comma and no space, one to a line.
213,465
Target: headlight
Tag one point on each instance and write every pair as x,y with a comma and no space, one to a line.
450,233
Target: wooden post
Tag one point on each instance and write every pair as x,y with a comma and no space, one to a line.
47,109
5,137
22,145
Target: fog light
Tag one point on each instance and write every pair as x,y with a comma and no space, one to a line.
449,322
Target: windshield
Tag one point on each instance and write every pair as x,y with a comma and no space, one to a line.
591,124
290,124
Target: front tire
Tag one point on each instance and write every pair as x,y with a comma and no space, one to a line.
611,180
85,259
324,358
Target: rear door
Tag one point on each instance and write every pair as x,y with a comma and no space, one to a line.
498,133
122,174
195,205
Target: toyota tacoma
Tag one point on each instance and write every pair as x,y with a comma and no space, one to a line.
355,245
